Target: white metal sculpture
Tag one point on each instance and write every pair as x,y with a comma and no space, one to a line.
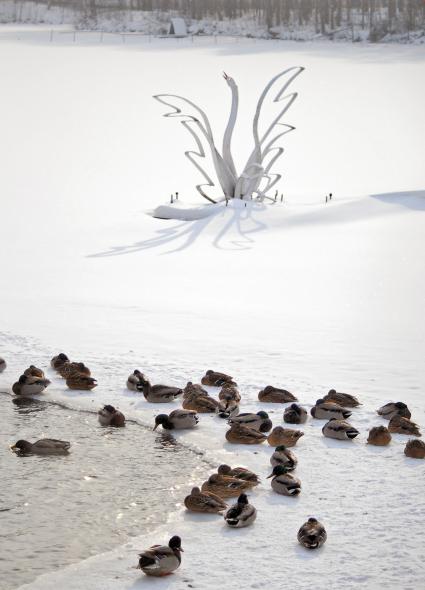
256,178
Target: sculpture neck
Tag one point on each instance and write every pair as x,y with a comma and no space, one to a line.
227,153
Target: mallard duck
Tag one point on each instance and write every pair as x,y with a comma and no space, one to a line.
67,369
228,409
58,360
241,514
177,420
201,403
82,382
161,560
33,371
216,379
394,409
274,395
240,473
229,393
3,365
239,434
259,421
402,425
343,399
28,385
295,414
285,457
109,416
283,482
379,436
339,429
198,501
193,389
284,436
327,410
224,486
159,394
415,449
312,534
45,446
135,381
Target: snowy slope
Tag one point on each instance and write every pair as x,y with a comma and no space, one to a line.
305,295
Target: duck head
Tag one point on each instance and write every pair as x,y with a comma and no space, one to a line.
175,543
280,448
243,499
278,470
160,419
263,415
224,469
22,445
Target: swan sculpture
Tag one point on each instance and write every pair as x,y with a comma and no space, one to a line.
256,178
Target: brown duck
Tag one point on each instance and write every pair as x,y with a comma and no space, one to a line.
379,436
343,399
415,449
216,379
402,425
240,473
239,434
59,360
68,369
33,371
82,382
205,502
274,395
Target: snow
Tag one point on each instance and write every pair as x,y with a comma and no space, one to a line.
304,295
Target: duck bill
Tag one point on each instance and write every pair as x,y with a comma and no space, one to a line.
181,549
269,476
13,447
155,427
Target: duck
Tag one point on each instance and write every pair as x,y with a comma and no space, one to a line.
58,360
285,457
343,399
204,404
259,421
82,382
339,429
312,534
379,436
216,379
239,434
3,365
229,392
67,369
224,486
109,416
415,449
402,425
193,389
159,394
206,502
240,473
135,379
28,385
325,410
161,560
394,409
177,420
295,414
33,371
274,395
44,446
241,514
283,482
284,436
228,409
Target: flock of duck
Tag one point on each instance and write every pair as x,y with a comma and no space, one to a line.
244,428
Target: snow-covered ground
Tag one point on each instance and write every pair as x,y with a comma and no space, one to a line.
305,295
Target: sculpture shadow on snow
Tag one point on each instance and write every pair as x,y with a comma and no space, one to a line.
236,232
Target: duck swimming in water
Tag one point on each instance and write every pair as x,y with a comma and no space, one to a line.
161,560
177,420
274,395
44,446
109,416
241,514
312,534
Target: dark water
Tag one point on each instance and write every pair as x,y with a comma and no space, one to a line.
115,484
